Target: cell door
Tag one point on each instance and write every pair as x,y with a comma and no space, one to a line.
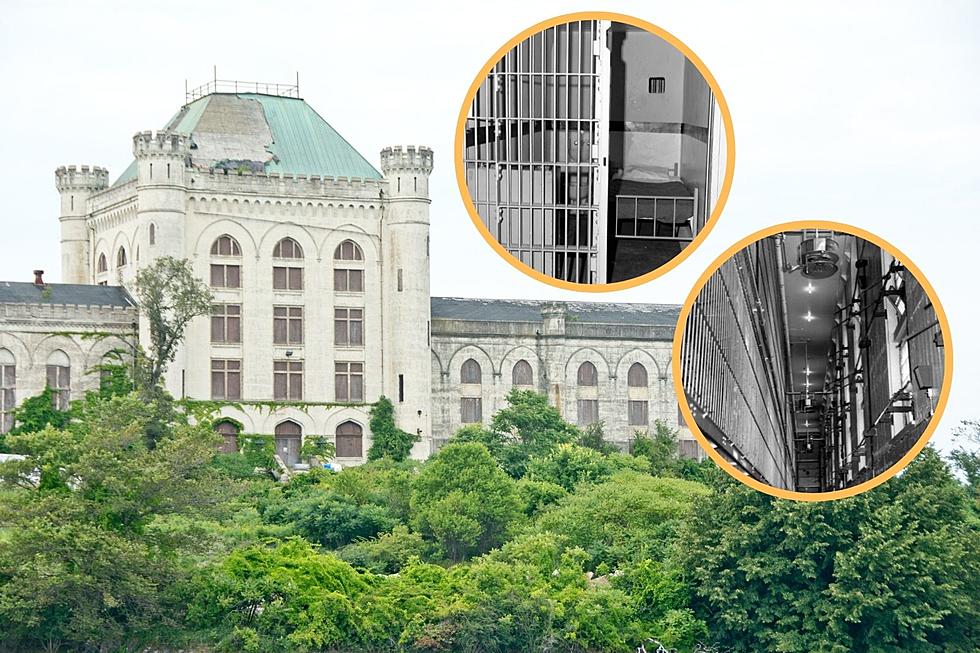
533,151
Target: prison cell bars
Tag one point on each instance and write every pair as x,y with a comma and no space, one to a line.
730,370
529,152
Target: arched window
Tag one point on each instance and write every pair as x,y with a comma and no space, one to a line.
121,257
587,374
153,234
103,264
287,248
522,373
229,432
471,401
59,379
137,253
470,372
587,394
637,376
637,402
348,251
350,440
289,435
285,276
224,273
348,279
8,389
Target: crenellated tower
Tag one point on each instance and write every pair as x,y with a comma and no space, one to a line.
161,160
76,185
405,279
161,200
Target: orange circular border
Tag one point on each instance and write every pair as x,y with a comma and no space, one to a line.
729,154
947,361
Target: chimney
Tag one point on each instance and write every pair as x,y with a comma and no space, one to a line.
39,278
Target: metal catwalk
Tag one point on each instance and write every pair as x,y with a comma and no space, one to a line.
812,360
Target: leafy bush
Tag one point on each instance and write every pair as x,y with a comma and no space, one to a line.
325,517
569,465
388,553
462,500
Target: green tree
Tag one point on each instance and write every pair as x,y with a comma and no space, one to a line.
325,517
966,457
169,297
39,412
464,501
628,518
568,465
81,565
388,441
528,426
892,569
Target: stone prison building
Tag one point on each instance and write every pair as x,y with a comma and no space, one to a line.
319,266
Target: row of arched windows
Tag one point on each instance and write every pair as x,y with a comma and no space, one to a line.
587,380
522,374
57,374
348,438
287,269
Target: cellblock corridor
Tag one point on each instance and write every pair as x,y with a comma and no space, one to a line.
588,151
812,360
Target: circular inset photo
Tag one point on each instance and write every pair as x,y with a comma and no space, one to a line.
594,151
815,360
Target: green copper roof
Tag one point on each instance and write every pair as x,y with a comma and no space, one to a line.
266,133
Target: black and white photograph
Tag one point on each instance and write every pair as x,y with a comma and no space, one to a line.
594,151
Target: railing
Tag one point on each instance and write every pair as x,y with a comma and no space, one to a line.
237,86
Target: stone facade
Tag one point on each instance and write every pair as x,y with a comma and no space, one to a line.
43,326
294,260
556,340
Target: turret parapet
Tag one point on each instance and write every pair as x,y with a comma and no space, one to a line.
162,143
81,178
410,159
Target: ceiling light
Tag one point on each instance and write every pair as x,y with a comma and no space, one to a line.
809,287
809,317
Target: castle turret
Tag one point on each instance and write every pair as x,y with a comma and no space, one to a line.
161,200
76,185
161,159
405,241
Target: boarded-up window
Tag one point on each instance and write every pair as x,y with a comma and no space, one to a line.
638,413
470,371
350,438
226,323
226,276
348,280
59,379
8,389
229,432
287,248
287,377
349,327
226,379
588,411
225,246
348,251
637,376
587,374
471,410
349,381
287,325
285,277
522,373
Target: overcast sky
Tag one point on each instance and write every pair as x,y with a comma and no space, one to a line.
861,114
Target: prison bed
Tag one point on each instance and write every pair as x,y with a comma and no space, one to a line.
653,210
